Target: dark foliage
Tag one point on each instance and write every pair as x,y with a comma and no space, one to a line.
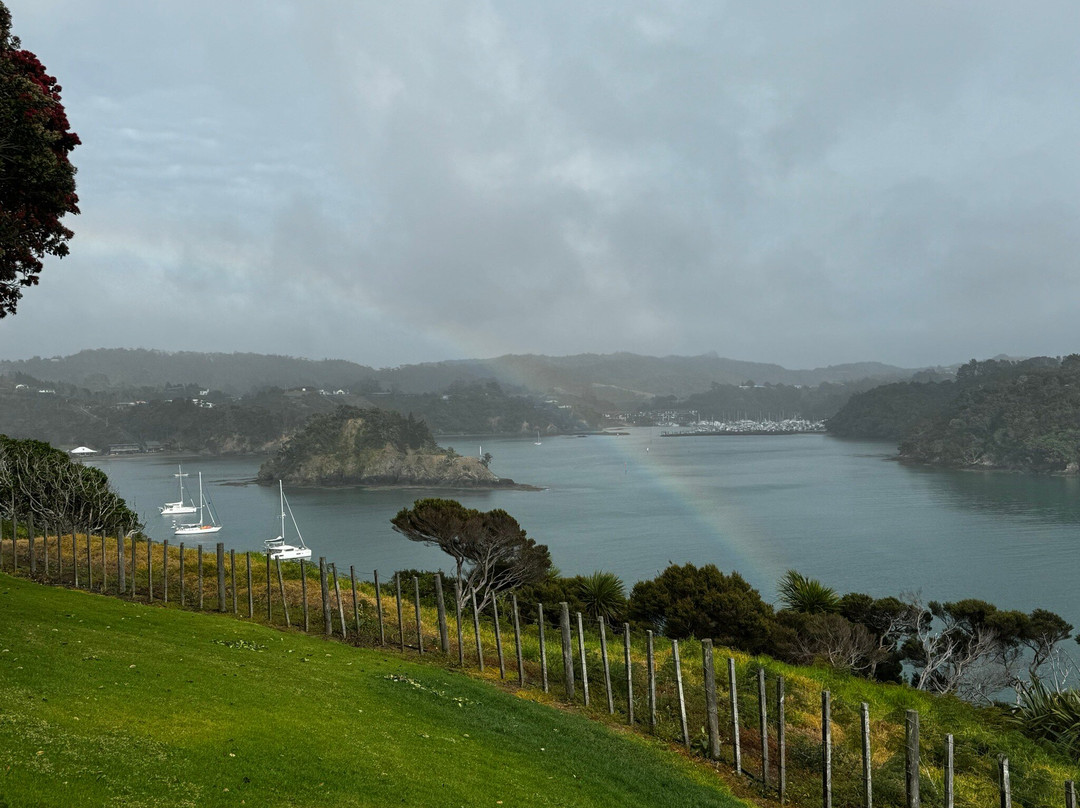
37,179
890,411
1022,415
689,601
42,483
491,552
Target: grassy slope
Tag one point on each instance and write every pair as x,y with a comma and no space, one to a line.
108,702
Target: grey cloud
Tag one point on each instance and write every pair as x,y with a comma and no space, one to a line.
398,182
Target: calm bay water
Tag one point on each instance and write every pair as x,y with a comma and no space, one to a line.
840,511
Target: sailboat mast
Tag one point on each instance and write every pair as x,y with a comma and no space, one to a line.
281,491
201,520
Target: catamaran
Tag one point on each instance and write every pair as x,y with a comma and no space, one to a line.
202,527
176,508
277,548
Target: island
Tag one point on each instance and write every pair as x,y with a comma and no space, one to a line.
375,448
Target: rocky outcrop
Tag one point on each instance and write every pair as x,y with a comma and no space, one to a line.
366,448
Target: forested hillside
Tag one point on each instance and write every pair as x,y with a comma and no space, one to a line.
1022,415
188,418
724,402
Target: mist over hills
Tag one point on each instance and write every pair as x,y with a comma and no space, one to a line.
619,378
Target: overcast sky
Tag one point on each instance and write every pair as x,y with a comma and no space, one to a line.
397,182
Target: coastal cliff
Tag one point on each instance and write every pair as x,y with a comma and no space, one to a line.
371,447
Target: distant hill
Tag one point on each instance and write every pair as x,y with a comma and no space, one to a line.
619,379
236,373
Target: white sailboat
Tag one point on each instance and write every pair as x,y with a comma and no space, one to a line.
202,527
537,438
277,548
179,507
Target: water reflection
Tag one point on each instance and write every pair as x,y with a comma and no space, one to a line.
1044,498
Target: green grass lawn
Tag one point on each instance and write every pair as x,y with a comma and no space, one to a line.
103,701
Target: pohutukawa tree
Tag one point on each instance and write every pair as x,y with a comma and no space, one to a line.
37,179
491,552
42,483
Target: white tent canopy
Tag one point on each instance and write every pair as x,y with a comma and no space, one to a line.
82,451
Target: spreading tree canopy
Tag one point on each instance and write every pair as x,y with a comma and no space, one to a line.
37,179
491,552
41,483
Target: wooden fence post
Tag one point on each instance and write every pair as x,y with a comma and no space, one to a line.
733,692
650,663
543,648
679,691
517,641
419,629
104,561
121,571
90,568
328,617
232,578
340,603
202,560
303,595
182,585
400,619
378,610
149,566
629,675
1004,791
498,636
567,649
355,602
867,774
476,631
164,571
269,593
460,628
781,739
74,559
440,606
1070,793
33,546
221,577
948,773
250,590
826,749
711,710
281,591
607,667
911,748
763,727
584,666
134,559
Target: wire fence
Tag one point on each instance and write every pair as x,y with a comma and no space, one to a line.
787,737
